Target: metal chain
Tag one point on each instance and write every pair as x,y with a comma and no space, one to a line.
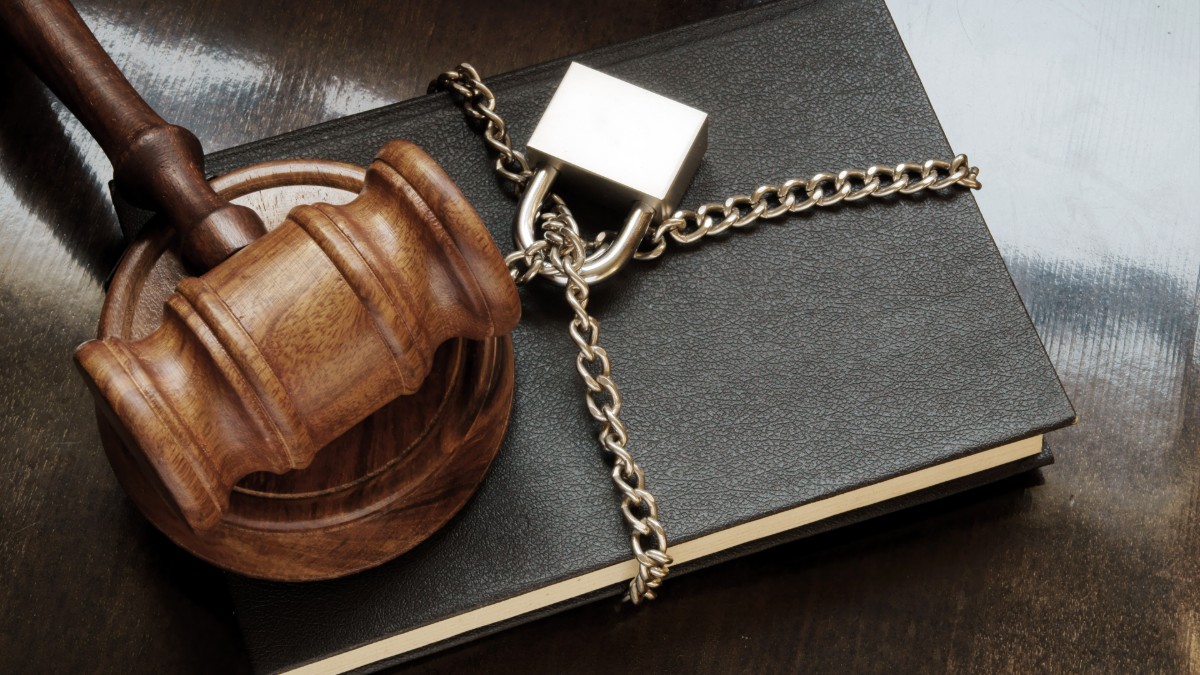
479,103
566,253
562,251
793,196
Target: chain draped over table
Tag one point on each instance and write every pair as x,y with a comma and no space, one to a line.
562,251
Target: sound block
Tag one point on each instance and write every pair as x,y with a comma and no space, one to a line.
375,492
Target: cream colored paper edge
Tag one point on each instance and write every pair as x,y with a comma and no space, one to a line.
682,553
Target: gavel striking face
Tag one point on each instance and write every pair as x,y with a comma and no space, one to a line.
298,337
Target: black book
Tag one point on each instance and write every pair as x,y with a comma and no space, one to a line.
815,371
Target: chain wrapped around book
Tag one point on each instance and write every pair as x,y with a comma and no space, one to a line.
632,147
304,369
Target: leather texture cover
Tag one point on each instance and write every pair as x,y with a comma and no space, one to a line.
805,358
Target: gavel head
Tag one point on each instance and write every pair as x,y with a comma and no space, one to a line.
282,348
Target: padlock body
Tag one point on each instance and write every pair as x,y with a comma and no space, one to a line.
619,142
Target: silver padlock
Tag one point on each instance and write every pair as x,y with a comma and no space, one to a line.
626,145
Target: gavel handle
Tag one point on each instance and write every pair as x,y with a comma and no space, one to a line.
156,165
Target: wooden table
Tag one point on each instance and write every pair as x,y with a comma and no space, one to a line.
1083,116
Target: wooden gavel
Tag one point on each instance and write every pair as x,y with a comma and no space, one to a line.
293,336
274,353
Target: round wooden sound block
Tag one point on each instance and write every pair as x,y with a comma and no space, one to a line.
371,494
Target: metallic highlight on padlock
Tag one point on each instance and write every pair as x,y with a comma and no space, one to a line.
619,141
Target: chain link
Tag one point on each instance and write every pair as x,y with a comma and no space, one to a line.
566,253
562,251
793,196
479,103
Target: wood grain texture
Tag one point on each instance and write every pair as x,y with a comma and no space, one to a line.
1094,569
293,414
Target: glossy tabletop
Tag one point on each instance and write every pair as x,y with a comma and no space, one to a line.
1085,119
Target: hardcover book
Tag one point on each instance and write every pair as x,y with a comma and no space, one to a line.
814,371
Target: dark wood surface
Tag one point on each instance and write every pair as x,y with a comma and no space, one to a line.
159,165
1083,118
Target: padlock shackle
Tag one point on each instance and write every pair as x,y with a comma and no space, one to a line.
603,264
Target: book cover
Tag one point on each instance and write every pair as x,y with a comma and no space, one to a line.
810,372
